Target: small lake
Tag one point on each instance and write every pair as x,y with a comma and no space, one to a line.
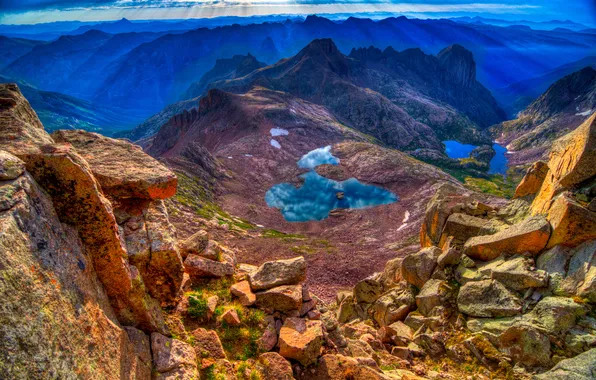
497,165
319,195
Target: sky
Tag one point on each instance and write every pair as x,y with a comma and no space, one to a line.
38,11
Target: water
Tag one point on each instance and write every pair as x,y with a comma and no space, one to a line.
497,165
319,195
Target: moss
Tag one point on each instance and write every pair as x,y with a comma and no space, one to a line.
274,234
197,305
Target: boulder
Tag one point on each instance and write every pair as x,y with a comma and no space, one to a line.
339,367
556,315
276,273
195,244
346,310
397,333
207,344
230,316
282,298
122,169
529,236
581,275
433,293
142,348
10,166
268,340
526,345
572,224
581,367
533,180
391,274
417,268
242,291
462,227
172,358
519,274
198,266
484,351
393,306
301,340
367,291
449,257
272,366
19,125
488,298
438,209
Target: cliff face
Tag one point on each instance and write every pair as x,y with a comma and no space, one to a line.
65,213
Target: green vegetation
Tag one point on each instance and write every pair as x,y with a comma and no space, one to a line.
241,342
197,305
274,234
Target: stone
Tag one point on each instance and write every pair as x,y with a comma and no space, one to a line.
346,310
488,298
315,315
449,257
556,315
19,125
579,340
301,340
245,270
483,350
529,236
393,306
401,352
282,298
173,358
242,291
554,261
198,267
273,366
268,340
359,349
207,344
356,329
307,307
462,227
431,343
533,180
230,316
519,274
398,333
391,274
122,169
438,209
142,348
581,275
78,201
367,291
195,244
571,223
417,268
281,272
339,367
10,166
211,306
581,367
433,293
526,345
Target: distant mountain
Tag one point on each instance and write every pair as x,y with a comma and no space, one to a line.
13,48
543,25
59,111
225,68
518,96
561,109
152,74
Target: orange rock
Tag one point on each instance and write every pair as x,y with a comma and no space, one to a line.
550,187
207,344
243,292
529,236
572,224
532,181
301,340
122,168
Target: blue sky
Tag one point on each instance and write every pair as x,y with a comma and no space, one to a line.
34,11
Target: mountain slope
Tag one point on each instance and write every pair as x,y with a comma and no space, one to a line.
13,48
561,109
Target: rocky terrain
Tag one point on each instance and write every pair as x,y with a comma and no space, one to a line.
119,265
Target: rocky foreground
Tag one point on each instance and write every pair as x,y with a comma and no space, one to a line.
96,284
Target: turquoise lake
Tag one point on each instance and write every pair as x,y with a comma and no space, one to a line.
319,195
498,164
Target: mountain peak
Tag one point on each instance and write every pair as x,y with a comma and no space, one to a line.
326,45
459,62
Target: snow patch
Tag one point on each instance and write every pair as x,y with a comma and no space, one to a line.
275,144
585,113
248,155
279,132
405,221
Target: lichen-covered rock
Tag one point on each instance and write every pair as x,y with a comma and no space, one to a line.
346,310
438,209
433,293
172,358
122,169
397,333
19,124
393,306
526,345
581,275
518,273
339,367
367,291
268,340
196,244
581,367
417,268
10,166
571,223
280,272
462,227
488,298
198,266
207,344
242,291
556,315
301,340
282,298
272,366
529,236
533,179
52,298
